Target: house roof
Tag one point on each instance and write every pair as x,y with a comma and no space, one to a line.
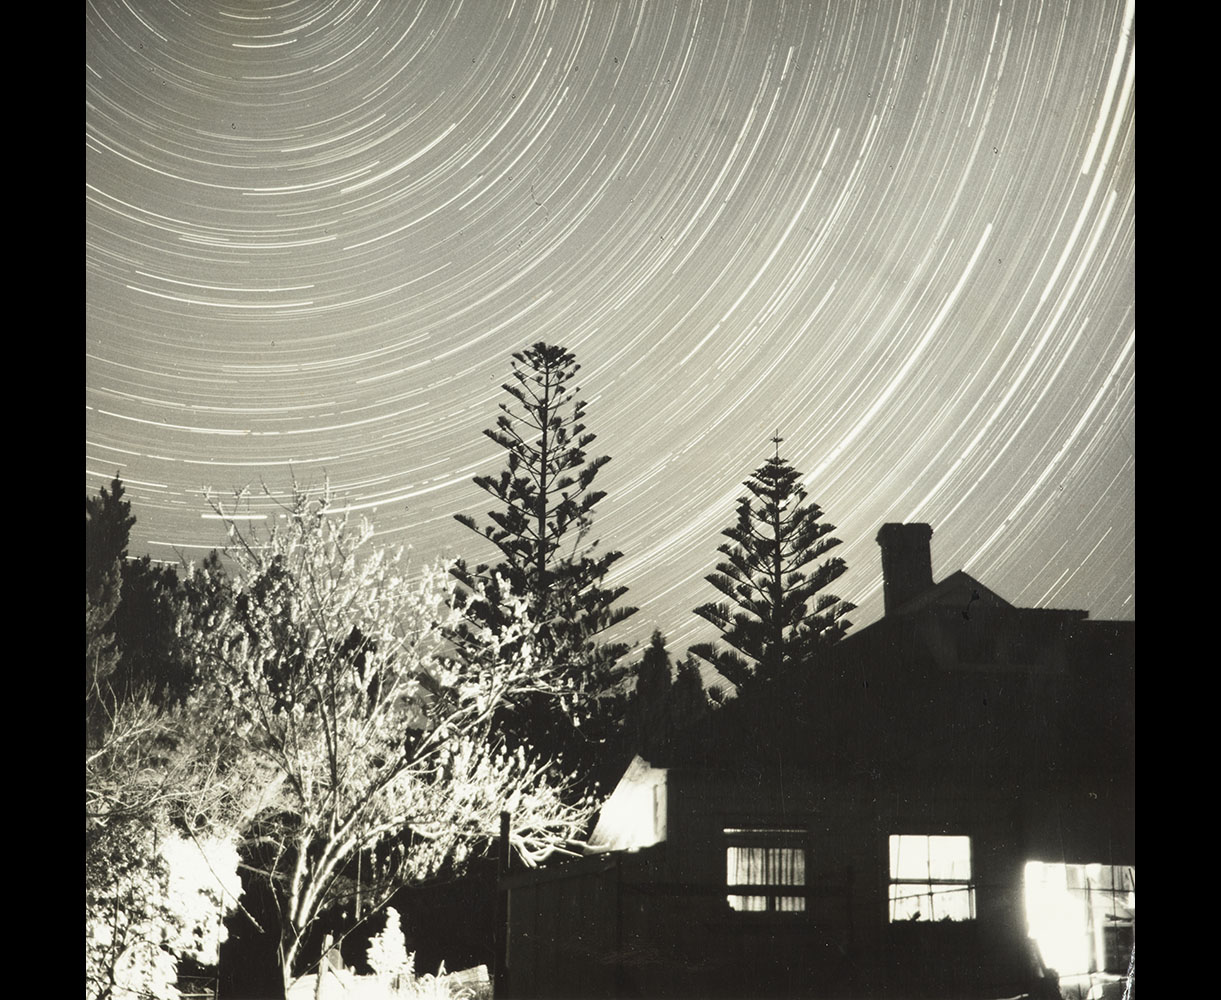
961,590
1008,686
953,669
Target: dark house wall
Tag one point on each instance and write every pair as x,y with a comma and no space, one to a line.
956,714
842,944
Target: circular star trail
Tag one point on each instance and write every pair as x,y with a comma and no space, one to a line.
901,234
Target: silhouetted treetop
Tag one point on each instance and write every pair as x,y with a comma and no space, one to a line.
774,574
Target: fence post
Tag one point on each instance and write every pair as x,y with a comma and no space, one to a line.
500,965
322,965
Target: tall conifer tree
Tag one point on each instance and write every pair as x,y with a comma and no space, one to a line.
540,524
777,615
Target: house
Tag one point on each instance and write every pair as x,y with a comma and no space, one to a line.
940,808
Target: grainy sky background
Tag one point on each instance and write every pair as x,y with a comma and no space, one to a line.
900,233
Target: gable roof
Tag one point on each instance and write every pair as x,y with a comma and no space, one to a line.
957,589
961,590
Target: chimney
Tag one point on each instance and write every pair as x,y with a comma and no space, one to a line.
907,563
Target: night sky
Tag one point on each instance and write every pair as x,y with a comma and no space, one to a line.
902,234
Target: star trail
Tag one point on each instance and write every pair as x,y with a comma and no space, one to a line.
902,234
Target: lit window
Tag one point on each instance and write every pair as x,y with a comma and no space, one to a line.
930,878
1083,916
765,869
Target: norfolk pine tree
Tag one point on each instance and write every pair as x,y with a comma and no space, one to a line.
777,616
545,501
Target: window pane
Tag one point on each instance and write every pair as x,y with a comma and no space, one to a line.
908,857
913,901
909,902
950,858
952,903
735,866
785,866
748,904
791,904
765,866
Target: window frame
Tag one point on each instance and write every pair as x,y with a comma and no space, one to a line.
932,885
748,834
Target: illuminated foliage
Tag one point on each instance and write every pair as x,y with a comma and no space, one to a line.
161,816
380,756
